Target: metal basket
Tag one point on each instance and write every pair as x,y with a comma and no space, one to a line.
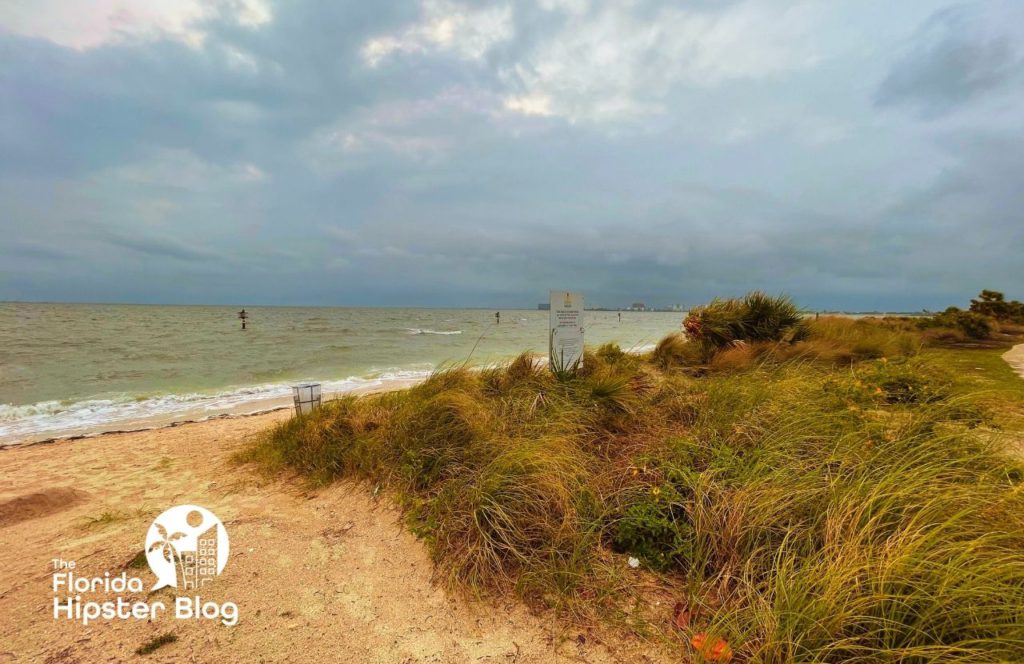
307,397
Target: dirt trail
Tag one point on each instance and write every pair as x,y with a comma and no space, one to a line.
324,576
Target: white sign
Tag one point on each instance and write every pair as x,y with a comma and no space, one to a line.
565,341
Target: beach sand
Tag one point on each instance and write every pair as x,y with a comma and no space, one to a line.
325,575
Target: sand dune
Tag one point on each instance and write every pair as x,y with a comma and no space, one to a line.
329,575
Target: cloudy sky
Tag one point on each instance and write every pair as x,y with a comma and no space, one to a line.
858,154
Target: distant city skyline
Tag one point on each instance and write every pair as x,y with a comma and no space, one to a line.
857,156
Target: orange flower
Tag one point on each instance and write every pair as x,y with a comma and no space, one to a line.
712,649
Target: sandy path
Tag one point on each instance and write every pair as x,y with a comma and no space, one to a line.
324,576
1015,358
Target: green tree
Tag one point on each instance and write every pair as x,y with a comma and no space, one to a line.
993,304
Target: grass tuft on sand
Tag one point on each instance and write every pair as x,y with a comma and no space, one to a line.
156,643
844,493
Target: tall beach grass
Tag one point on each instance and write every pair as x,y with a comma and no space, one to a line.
835,494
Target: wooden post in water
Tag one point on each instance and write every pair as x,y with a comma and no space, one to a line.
243,315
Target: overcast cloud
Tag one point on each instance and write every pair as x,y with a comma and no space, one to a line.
857,155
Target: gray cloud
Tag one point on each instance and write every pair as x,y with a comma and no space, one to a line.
485,153
957,57
161,247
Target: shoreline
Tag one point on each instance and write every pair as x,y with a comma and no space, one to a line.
279,404
114,432
1013,357
372,386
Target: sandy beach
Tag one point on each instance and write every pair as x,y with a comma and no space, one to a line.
327,575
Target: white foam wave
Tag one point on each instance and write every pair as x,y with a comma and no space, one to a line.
48,419
416,330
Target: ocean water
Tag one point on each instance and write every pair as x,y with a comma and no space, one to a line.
80,369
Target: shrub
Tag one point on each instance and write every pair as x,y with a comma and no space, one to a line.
972,324
943,336
993,304
754,317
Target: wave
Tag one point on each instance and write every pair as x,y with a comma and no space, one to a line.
416,330
50,419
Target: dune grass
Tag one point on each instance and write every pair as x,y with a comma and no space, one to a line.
846,495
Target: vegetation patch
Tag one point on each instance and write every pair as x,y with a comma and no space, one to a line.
826,490
156,643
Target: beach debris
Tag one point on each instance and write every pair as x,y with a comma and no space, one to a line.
712,648
633,562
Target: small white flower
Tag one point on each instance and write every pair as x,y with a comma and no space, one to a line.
634,563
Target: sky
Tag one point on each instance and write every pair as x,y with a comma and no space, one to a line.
859,155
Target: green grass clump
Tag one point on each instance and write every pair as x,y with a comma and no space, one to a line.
156,643
847,496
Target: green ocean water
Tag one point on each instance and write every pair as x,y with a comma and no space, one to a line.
69,369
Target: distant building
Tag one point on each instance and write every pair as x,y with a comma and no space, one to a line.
200,566
638,306
544,306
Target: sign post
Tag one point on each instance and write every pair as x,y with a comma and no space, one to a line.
565,338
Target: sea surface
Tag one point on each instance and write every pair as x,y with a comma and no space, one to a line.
82,369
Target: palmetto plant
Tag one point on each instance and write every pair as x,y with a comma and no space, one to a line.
560,366
754,317
165,545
